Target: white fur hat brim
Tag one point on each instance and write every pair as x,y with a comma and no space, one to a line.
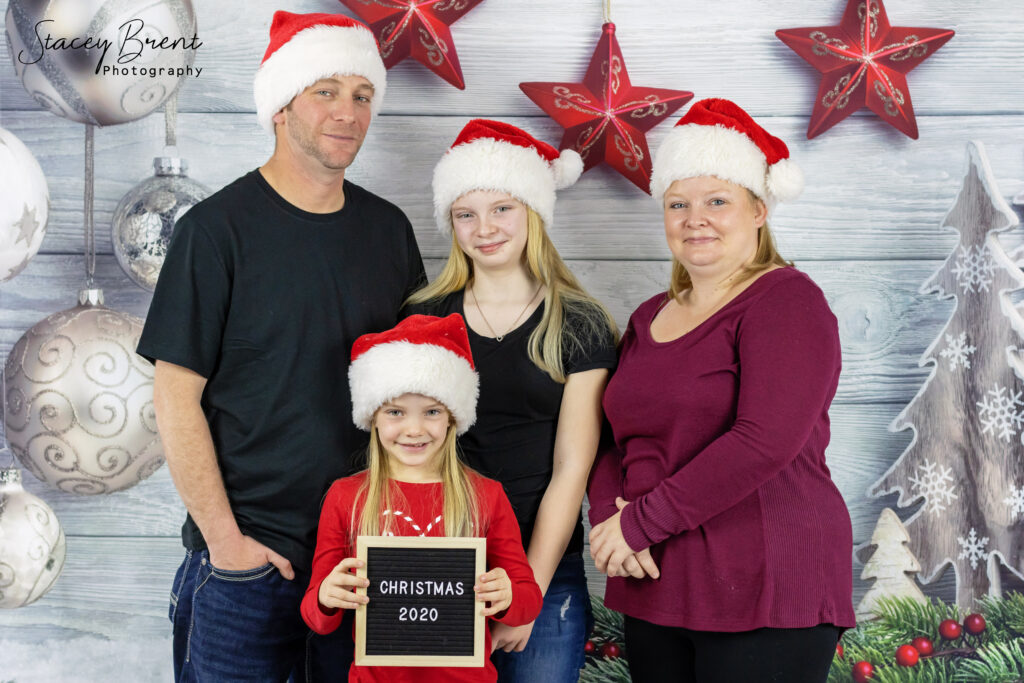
489,164
311,54
693,150
387,371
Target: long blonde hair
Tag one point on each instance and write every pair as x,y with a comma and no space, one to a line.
378,495
765,256
552,339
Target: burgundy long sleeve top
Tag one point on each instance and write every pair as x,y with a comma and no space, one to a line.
719,445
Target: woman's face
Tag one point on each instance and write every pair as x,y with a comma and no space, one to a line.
490,228
711,225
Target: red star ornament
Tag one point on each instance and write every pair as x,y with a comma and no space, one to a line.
418,29
864,62
605,117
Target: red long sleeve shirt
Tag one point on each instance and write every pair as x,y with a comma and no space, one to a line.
719,445
422,516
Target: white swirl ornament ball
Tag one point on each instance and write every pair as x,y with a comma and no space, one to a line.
24,205
57,46
80,411
31,544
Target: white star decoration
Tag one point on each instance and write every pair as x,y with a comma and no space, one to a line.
27,226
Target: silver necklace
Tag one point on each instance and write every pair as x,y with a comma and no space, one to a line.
499,337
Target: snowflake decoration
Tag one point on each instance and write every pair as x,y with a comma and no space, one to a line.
1001,411
957,351
935,483
1016,501
974,269
973,548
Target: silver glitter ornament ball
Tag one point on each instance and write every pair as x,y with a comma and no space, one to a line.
80,411
31,544
57,46
145,217
24,205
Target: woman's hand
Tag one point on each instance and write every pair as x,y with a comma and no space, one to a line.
496,588
510,638
337,590
641,563
613,556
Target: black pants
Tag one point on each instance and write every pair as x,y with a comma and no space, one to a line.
667,654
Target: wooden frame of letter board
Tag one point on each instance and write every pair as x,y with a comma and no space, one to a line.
363,543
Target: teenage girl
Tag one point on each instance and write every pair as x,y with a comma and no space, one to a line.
543,348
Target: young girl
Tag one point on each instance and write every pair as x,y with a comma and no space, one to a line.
543,348
414,388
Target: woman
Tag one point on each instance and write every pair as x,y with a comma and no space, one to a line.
543,348
719,410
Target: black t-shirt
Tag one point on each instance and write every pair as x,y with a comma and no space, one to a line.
513,439
265,300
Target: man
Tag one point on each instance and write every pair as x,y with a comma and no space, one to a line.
265,286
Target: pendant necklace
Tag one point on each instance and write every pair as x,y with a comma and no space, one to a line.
499,337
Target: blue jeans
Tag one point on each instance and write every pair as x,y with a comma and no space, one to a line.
245,626
554,653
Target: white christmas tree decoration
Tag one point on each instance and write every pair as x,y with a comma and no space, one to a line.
935,483
1001,411
967,447
958,351
892,565
974,269
1016,501
973,548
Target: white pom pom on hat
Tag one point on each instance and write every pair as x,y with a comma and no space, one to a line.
717,137
307,47
492,155
568,168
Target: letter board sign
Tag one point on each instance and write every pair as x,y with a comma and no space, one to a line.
422,609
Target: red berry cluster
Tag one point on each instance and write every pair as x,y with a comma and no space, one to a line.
909,655
610,650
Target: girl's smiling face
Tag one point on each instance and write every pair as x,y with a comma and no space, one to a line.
412,428
490,227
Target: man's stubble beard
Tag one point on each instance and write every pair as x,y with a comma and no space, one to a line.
302,135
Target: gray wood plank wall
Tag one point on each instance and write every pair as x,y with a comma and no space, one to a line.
866,230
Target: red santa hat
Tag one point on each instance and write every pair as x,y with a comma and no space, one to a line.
423,354
491,155
716,137
307,47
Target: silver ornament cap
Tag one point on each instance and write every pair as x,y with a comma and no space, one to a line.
91,296
164,166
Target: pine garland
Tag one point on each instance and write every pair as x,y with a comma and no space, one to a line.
605,671
607,629
994,656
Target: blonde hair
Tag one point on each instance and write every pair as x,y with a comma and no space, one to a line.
378,494
765,256
552,338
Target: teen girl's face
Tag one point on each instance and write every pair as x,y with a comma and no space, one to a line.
490,227
412,428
